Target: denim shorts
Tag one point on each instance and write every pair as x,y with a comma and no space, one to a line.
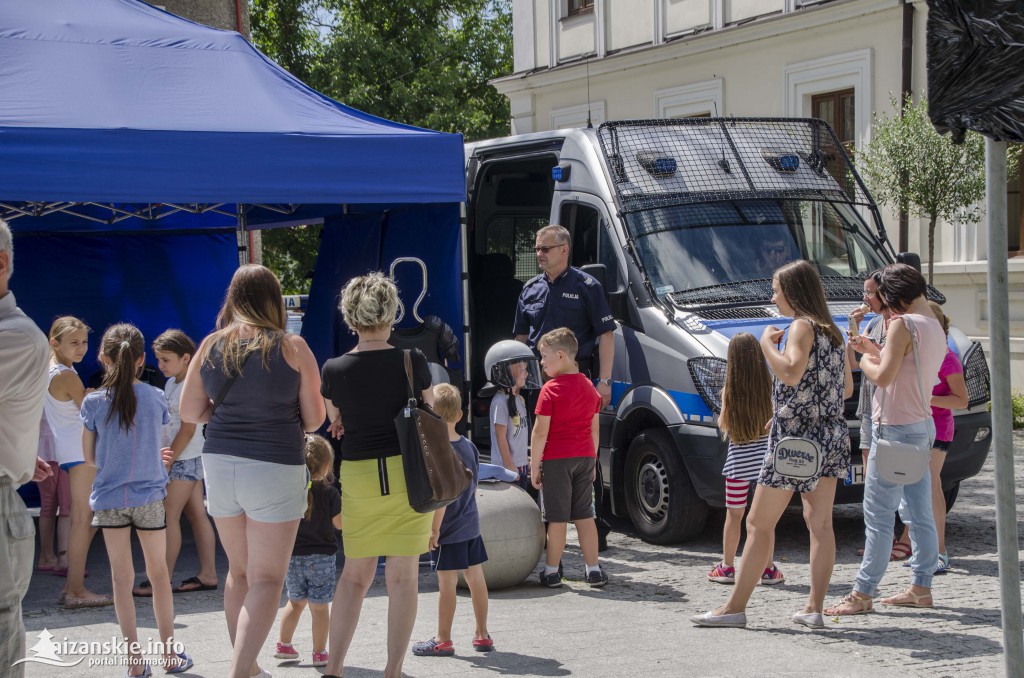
262,490
187,469
312,578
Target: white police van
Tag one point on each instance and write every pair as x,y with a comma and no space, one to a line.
672,216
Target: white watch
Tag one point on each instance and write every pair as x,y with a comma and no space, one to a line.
605,381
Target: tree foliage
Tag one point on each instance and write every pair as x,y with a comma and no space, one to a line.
914,169
425,63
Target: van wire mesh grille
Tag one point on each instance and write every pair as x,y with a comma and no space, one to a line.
656,163
979,388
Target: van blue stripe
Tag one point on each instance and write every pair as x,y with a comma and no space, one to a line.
690,404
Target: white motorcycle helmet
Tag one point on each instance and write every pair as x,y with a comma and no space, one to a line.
509,361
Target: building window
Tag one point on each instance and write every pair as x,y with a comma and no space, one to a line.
579,7
837,109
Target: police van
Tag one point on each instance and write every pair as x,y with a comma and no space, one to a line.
683,221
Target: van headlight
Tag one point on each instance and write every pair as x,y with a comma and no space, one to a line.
708,374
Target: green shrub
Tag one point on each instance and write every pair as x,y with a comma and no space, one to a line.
1017,398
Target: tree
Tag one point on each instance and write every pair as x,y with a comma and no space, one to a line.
425,63
914,169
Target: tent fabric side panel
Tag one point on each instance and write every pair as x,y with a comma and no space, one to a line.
155,282
356,244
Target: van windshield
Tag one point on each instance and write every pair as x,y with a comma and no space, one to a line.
686,247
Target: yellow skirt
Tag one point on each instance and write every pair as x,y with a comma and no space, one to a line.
375,509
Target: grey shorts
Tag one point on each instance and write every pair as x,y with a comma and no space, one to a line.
187,469
262,490
148,517
568,488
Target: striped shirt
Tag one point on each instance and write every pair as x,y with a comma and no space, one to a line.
744,459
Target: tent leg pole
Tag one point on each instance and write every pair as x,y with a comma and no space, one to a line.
1002,413
242,235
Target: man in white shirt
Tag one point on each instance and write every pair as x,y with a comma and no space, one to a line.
24,356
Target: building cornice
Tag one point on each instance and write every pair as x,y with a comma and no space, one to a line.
680,48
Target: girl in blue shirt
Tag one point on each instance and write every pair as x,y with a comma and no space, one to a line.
123,421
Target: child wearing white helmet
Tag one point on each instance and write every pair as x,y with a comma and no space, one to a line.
512,367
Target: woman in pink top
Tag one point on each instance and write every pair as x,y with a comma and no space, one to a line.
949,394
899,414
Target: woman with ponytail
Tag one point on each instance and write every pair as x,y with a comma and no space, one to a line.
123,423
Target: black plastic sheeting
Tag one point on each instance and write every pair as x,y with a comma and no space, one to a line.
976,67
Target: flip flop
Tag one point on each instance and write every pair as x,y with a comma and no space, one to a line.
144,584
194,584
63,572
186,664
46,568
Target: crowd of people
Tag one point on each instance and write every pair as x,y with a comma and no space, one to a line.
239,413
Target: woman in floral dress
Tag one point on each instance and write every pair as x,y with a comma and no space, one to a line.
808,403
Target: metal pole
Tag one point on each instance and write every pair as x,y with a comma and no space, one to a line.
242,236
1002,414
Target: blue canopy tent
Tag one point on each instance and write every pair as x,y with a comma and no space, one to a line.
135,146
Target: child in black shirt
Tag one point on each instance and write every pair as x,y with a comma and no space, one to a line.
312,571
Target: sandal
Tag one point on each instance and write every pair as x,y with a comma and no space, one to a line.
432,648
900,551
182,663
143,590
909,599
851,605
192,584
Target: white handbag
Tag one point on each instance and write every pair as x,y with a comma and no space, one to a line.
797,458
904,463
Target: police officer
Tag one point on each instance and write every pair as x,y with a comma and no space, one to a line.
564,296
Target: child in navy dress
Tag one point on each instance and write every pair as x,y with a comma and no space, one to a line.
455,543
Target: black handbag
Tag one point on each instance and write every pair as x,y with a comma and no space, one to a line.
434,473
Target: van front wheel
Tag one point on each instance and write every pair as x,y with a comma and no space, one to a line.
662,503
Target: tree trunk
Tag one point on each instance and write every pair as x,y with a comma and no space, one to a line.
931,249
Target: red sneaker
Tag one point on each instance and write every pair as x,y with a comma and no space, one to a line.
286,651
483,644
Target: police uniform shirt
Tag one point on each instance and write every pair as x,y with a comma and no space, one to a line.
574,300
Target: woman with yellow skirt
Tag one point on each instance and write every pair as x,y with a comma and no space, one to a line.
366,388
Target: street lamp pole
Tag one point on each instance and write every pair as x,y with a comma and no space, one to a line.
1002,412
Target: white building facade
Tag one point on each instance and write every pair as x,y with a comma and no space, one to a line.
839,60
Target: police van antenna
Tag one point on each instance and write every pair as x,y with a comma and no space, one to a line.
723,163
590,124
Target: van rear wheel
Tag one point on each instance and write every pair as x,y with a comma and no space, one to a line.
661,500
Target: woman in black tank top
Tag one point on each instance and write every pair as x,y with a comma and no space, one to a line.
258,389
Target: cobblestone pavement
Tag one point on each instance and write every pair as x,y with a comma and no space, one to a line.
638,625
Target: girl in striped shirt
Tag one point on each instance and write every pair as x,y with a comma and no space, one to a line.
746,409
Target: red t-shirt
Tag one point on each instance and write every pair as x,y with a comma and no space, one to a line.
571,401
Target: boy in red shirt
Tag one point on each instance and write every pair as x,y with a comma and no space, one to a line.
564,454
